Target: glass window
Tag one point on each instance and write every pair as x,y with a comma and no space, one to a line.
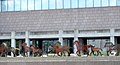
38,4
17,5
104,2
89,3
59,4
112,2
74,3
44,4
23,5
4,5
118,2
10,5
66,3
52,4
0,6
82,3
97,3
30,4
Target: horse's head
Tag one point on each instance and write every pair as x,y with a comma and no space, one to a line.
54,46
24,44
4,45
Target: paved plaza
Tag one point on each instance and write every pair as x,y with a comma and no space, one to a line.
60,60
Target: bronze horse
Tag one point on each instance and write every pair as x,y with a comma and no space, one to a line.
61,49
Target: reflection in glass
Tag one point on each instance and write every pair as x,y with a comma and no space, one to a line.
30,4
97,3
89,3
104,3
4,5
0,6
17,5
81,3
59,4
52,4
74,3
112,2
38,4
10,5
23,5
44,4
66,3
118,2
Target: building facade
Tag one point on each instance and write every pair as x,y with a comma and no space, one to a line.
44,22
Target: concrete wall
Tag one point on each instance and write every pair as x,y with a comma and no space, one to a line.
63,19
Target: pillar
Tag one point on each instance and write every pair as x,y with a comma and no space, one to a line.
112,38
60,37
75,34
27,40
13,42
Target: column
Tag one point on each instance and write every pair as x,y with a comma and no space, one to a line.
60,37
13,39
27,40
13,42
112,38
75,34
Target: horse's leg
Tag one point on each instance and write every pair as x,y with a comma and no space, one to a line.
78,53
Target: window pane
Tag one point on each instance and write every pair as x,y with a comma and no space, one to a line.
10,5
89,3
66,3
0,6
104,2
17,5
37,4
59,4
81,3
23,5
118,2
4,5
97,3
74,3
30,4
112,2
44,4
52,4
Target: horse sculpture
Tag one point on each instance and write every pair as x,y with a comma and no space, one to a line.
4,49
81,48
60,50
94,49
36,50
110,47
25,49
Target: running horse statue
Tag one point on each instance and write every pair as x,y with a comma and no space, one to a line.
25,49
95,49
4,49
80,48
60,50
35,50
